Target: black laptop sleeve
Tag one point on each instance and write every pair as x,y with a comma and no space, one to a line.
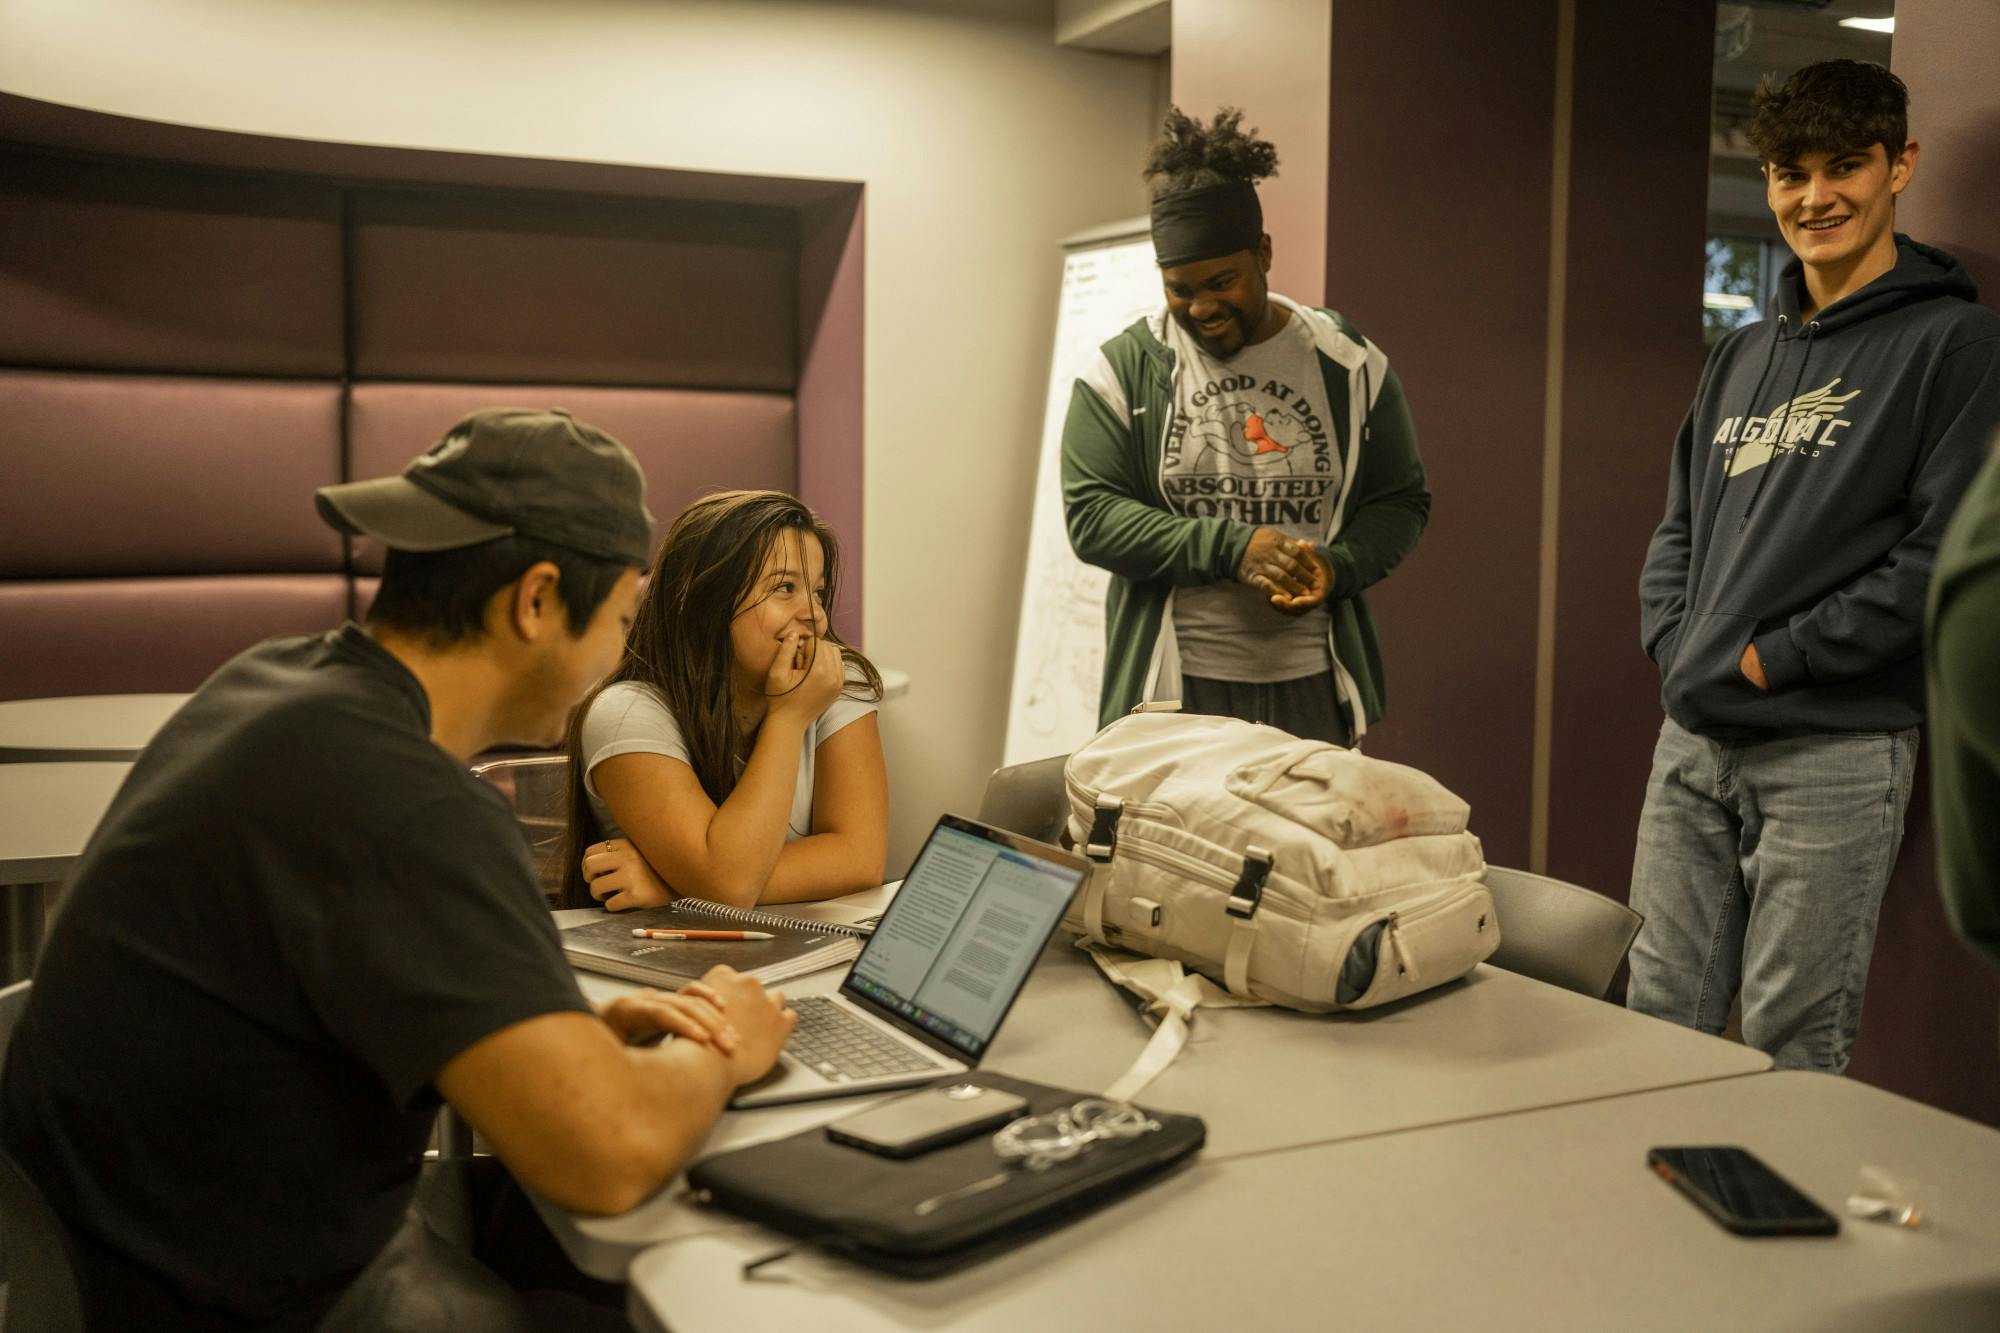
866,1206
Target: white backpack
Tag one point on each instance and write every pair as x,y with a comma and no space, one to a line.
1263,862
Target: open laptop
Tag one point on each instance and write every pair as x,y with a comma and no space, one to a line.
939,974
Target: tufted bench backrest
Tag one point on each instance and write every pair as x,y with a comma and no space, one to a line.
186,353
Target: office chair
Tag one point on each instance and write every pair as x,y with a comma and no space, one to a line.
40,1292
1558,932
1028,799
536,786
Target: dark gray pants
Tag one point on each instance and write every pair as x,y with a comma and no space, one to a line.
1308,707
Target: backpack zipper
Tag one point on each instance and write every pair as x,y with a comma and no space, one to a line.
1406,966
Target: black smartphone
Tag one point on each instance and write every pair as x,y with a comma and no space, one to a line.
1736,1189
920,1121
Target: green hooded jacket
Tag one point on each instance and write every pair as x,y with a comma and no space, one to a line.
1961,644
1115,507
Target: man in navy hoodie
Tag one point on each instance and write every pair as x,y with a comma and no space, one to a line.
1783,594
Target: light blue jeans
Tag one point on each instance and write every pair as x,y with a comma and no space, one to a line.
1760,868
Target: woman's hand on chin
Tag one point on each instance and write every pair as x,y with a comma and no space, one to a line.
806,676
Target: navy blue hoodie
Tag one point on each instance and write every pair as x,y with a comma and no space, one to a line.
1811,482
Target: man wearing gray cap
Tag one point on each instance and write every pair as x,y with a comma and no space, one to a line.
303,924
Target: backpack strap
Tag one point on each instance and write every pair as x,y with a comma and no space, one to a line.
1242,909
1100,846
1174,992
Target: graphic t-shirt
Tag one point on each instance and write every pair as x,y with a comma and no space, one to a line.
1251,440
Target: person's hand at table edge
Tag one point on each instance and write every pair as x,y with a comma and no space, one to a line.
621,878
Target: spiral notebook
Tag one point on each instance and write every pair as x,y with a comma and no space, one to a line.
799,946
760,916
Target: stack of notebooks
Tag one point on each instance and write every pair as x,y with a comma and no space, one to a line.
797,946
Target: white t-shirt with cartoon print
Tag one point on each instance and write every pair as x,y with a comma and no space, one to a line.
629,718
1251,440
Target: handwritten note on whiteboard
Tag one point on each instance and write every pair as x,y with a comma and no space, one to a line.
1109,279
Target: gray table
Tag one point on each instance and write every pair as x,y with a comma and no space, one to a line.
1538,1220
47,813
82,727
1268,1080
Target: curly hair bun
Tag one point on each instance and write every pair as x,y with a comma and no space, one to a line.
1190,154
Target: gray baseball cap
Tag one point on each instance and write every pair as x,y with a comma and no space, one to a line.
503,471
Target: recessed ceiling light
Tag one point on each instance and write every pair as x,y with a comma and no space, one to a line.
1870,25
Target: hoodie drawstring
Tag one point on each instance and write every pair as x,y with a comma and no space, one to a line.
1784,420
1715,510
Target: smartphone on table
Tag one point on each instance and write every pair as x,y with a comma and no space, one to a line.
930,1118
1741,1193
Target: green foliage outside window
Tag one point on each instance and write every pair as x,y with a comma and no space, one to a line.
1733,286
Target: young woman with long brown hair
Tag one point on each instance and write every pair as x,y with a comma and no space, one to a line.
733,754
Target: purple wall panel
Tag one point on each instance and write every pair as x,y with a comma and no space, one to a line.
113,636
1452,283
1928,1025
129,474
574,291
1928,1022
1631,356
678,298
831,444
689,442
130,268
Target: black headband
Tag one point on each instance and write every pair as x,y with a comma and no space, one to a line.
1206,223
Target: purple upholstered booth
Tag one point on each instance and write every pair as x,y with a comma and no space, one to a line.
689,441
197,329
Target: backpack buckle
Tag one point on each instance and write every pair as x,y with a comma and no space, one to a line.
1249,890
1103,840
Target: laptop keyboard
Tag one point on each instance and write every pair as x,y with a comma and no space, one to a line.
839,1046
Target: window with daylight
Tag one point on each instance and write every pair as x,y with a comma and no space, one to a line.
1737,278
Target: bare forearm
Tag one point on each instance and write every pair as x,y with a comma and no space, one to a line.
682,1087
825,865
583,1120
676,1093
746,835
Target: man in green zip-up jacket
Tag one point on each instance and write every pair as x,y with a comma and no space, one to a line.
1244,466
1962,657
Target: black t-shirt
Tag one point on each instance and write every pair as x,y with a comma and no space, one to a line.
297,910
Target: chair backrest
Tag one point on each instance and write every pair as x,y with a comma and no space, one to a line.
1558,932
41,1291
1027,799
536,786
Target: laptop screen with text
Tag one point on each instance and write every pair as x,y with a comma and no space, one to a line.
956,944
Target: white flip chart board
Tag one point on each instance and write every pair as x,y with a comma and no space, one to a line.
1109,279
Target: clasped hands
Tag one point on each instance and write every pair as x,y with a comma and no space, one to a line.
1296,575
